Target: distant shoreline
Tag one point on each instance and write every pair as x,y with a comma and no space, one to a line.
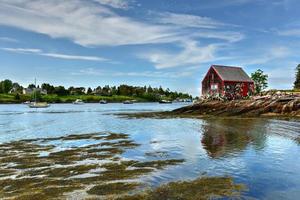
6,99
13,99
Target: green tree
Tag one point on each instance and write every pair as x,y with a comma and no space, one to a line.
17,96
6,86
297,81
17,88
260,80
61,91
31,86
89,91
49,88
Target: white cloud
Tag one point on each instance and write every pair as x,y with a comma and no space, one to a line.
54,55
80,21
186,20
91,24
88,24
22,50
229,36
121,4
74,57
290,32
150,74
8,39
191,54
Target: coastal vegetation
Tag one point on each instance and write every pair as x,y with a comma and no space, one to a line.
11,92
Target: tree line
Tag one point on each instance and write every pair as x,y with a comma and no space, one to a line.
146,92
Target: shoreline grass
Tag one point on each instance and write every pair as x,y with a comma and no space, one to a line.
13,99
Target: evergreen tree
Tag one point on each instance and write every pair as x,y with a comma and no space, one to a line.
89,91
297,81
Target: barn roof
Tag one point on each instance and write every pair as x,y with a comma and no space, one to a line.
229,73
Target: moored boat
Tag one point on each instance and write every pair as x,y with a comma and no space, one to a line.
164,101
78,102
103,101
38,105
128,102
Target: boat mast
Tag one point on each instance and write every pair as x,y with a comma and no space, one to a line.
35,90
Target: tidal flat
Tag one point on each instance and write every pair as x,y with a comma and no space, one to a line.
37,169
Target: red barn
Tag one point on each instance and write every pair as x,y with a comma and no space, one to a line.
227,81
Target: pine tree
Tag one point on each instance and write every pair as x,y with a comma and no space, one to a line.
297,81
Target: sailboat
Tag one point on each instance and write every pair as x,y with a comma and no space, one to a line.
36,104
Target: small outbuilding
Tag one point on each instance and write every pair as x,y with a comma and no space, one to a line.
227,81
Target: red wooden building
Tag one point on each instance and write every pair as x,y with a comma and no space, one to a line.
227,81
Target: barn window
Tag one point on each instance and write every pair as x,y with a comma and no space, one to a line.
214,86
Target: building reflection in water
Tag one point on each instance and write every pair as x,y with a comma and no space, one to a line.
229,137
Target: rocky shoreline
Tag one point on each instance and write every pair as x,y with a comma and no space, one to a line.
270,105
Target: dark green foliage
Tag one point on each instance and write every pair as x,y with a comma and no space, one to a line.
6,86
61,91
17,96
89,91
297,81
49,88
260,80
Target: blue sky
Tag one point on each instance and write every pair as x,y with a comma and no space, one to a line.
170,43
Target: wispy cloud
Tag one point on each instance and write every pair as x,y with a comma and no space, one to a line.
120,4
82,21
53,55
190,54
8,39
290,32
187,20
22,50
149,74
74,57
271,54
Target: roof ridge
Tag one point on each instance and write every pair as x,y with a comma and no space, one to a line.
226,66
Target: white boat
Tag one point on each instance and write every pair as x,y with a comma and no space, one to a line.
78,102
165,101
128,102
103,101
36,104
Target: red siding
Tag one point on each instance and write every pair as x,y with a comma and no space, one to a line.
230,89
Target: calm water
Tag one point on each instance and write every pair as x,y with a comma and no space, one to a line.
262,154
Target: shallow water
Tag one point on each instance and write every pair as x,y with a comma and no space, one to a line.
262,154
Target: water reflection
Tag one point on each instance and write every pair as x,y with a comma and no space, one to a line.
227,137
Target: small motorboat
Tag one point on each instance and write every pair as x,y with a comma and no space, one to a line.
27,102
78,102
38,105
103,101
164,101
128,102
